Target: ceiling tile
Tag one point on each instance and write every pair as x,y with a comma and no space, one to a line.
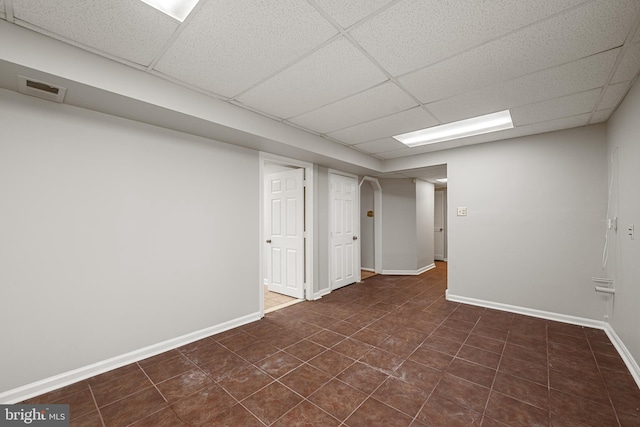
347,13
565,106
629,65
601,116
231,45
331,73
395,124
130,30
584,31
368,105
542,127
416,33
380,145
578,76
613,94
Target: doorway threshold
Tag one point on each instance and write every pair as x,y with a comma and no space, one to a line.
286,304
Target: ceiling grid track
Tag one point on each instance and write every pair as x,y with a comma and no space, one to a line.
8,10
625,47
503,36
289,65
349,37
174,36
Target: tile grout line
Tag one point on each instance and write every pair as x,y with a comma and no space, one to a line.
546,330
96,403
484,411
606,387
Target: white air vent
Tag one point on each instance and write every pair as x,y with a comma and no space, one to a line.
40,89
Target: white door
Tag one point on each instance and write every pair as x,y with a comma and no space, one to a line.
284,232
343,227
438,226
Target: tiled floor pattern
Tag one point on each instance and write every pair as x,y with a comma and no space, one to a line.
388,352
272,300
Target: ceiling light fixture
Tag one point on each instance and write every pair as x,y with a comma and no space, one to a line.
178,9
443,180
461,129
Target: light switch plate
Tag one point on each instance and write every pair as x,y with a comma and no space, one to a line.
462,211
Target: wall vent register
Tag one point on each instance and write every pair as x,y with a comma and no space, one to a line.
41,89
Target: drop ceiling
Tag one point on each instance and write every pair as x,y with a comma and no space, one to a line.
357,72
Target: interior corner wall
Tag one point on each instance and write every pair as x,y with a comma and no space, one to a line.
116,236
425,217
623,135
367,244
323,284
534,233
398,224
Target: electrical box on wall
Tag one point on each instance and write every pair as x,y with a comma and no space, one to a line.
462,211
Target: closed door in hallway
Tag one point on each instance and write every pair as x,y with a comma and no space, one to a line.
344,226
284,233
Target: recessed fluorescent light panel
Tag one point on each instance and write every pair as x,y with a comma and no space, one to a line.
461,129
178,9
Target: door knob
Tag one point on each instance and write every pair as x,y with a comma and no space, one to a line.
269,241
355,237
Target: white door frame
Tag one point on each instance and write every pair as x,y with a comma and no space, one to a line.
308,221
356,256
377,221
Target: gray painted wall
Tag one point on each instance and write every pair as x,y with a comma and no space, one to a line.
407,224
624,254
425,202
323,284
113,236
398,224
533,236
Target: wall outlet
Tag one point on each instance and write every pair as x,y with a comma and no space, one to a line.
632,231
462,211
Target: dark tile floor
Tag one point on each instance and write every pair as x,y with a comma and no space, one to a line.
389,352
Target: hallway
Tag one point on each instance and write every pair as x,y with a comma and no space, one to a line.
387,352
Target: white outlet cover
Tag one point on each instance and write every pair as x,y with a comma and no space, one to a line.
462,211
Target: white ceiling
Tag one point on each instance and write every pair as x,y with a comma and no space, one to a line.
357,72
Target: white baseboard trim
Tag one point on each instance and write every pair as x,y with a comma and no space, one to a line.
409,272
368,269
66,378
628,359
564,318
625,354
